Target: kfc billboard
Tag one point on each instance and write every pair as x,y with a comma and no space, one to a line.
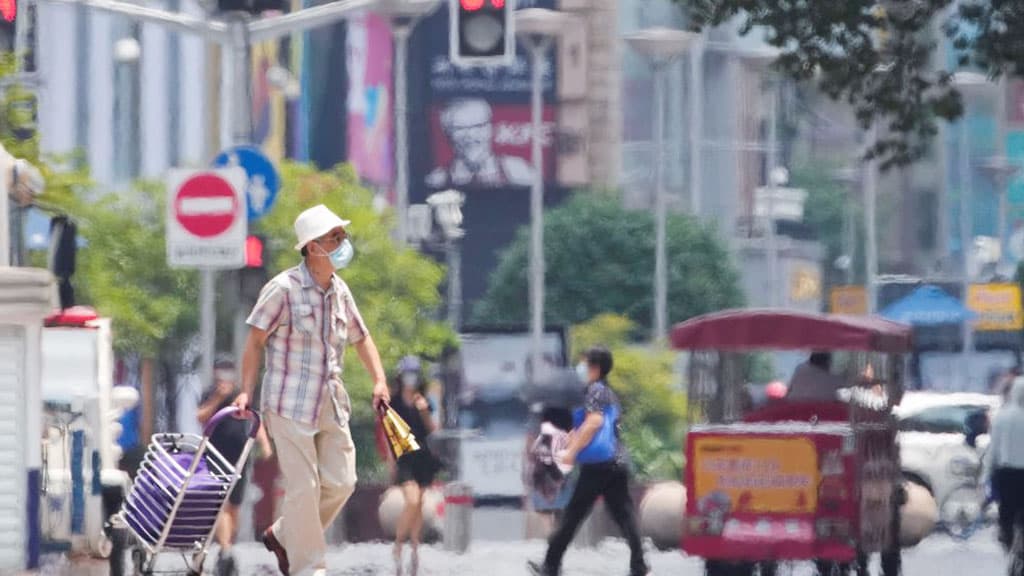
479,145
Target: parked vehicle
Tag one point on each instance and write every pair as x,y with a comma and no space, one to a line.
81,484
942,449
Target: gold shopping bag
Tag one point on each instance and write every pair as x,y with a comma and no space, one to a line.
401,440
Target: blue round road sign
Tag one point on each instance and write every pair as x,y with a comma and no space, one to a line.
264,182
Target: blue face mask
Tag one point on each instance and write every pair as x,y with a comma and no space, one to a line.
341,257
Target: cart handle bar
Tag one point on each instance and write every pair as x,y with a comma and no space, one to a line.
230,412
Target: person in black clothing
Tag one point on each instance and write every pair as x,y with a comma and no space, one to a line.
414,472
229,439
608,479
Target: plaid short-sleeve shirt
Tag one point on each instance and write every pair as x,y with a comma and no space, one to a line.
308,329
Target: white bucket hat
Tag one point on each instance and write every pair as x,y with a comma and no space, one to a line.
315,222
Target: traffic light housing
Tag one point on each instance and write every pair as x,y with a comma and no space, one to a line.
254,276
62,255
8,17
482,32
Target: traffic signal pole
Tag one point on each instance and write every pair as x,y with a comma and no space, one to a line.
235,32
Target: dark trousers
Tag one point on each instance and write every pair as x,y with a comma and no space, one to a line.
1009,484
611,481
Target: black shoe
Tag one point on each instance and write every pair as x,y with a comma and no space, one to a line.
226,565
539,569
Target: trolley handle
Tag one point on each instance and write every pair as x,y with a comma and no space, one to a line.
229,412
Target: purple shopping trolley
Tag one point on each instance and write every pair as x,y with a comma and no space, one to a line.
177,496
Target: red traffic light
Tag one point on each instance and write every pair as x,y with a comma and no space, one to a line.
474,5
253,252
8,10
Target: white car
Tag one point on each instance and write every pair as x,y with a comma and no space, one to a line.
934,451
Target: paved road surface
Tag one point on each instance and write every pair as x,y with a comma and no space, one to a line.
937,556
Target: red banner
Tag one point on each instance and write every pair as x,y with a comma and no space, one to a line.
1015,102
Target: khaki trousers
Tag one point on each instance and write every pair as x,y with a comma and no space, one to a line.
318,465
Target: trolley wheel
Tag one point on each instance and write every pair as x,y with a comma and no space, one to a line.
120,557
139,559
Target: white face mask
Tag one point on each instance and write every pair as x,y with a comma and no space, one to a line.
583,372
410,380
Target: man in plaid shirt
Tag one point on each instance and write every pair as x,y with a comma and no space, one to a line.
303,320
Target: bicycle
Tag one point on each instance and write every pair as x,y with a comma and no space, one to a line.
960,514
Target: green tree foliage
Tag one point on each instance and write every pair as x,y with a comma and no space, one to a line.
654,408
600,258
881,57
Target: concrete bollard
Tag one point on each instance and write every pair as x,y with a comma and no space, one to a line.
458,516
918,515
661,514
392,502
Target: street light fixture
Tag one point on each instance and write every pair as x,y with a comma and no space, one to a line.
447,207
1000,169
848,177
662,46
538,28
403,16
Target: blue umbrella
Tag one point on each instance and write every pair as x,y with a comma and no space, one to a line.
928,306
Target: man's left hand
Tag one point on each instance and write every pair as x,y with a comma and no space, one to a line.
381,395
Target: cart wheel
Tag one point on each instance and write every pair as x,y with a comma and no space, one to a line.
860,567
718,568
892,563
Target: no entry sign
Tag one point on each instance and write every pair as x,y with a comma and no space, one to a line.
206,218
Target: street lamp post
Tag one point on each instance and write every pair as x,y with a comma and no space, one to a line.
966,81
538,28
761,60
871,222
127,52
403,15
447,207
662,46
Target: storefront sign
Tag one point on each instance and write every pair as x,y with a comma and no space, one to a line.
757,475
998,306
852,300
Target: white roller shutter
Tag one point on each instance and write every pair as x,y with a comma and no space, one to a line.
12,442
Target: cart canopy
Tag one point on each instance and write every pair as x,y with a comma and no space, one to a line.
747,329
